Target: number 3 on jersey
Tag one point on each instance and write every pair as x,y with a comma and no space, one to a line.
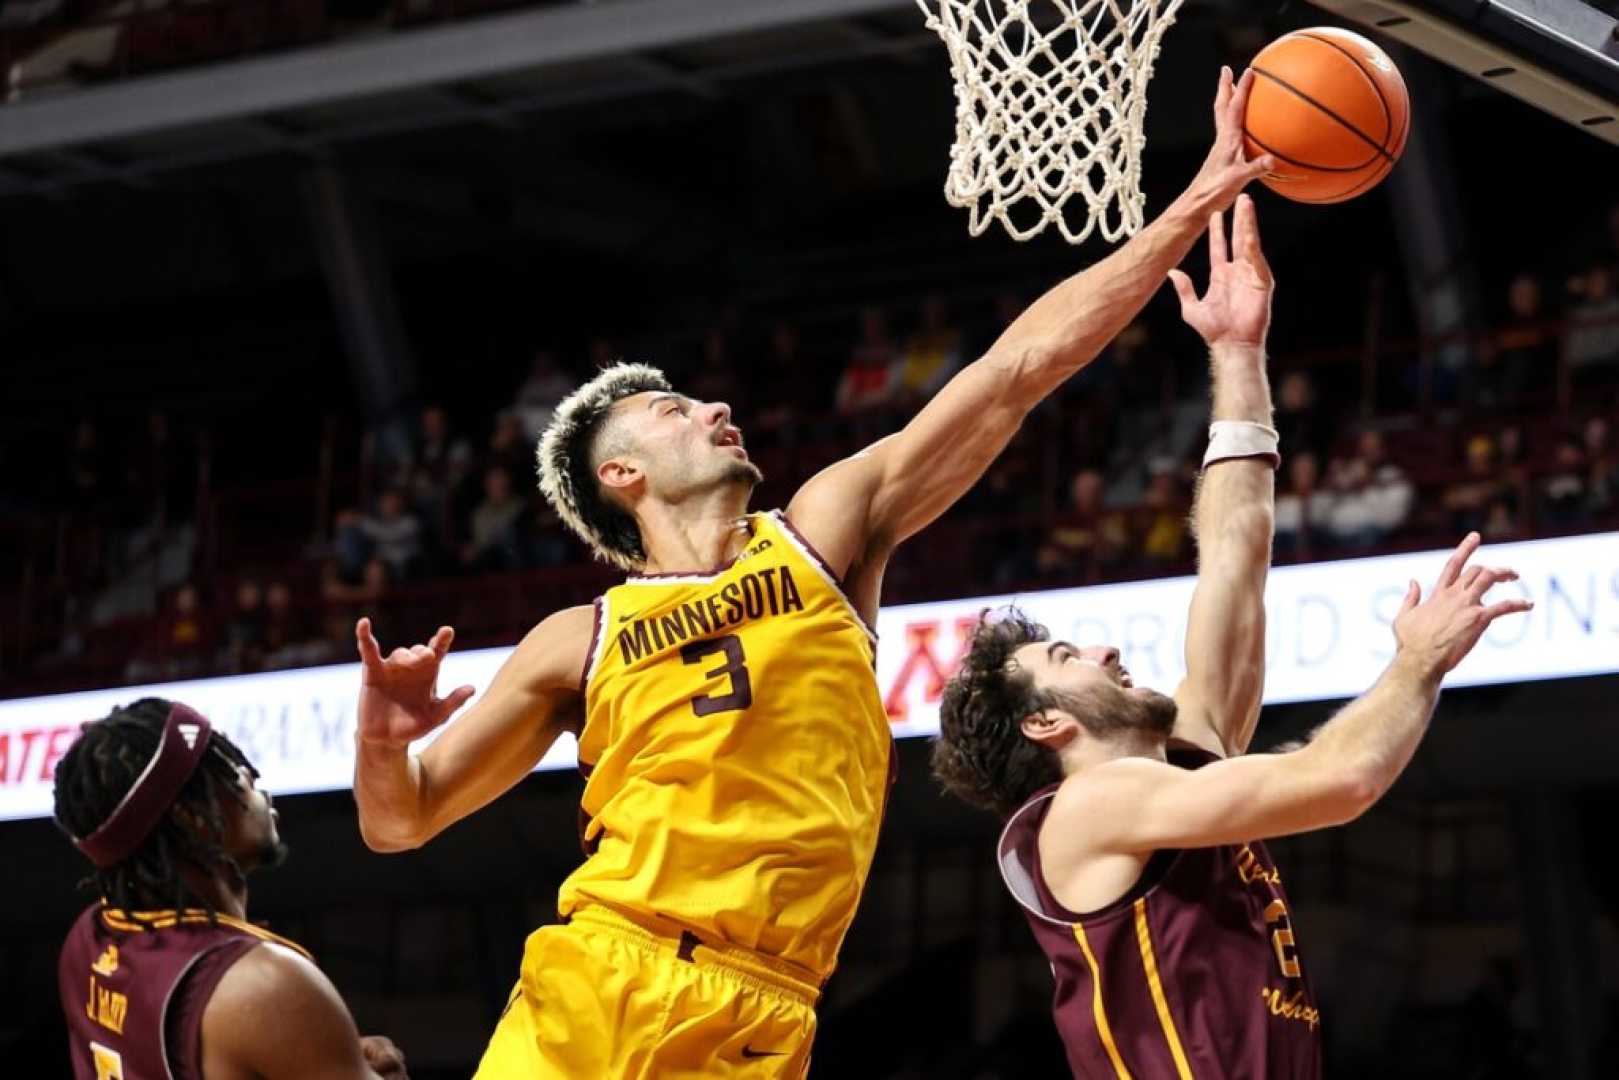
735,667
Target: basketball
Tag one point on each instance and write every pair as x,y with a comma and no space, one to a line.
1332,109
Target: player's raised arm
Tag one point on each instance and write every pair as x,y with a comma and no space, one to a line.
902,483
406,799
1234,516
1138,805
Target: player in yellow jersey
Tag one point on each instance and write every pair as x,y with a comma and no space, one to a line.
736,750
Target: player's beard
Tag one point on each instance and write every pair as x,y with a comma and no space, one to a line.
1109,711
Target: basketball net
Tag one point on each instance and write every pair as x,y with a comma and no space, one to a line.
1051,100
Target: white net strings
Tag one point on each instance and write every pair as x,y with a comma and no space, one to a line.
1050,105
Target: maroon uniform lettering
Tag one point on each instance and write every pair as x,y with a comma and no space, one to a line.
134,992
1194,972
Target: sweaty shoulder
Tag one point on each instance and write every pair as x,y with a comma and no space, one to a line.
275,1014
552,655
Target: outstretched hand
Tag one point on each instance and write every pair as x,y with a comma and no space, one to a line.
1235,310
1441,630
1227,170
399,700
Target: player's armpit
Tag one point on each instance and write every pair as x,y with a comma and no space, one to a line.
276,1016
1140,805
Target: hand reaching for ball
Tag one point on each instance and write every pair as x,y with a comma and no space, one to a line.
1227,170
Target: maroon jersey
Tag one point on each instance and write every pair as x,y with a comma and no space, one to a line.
134,991
1193,972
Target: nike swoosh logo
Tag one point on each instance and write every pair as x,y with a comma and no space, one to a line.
750,1052
627,618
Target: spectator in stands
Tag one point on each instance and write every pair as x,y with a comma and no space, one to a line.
1300,420
187,639
868,381
1564,492
1301,508
715,377
443,455
1592,345
547,384
493,542
1471,499
1604,464
346,603
285,631
86,467
931,355
1371,495
1087,539
1522,349
1162,533
392,534
777,386
510,447
245,629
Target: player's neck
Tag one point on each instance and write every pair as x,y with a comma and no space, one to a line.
1082,754
223,896
699,534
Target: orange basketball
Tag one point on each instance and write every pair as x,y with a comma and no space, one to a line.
1331,108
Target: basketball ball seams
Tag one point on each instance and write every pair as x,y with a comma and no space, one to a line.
1377,88
1279,156
1377,149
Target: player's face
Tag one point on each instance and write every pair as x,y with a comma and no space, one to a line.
687,445
1091,683
252,835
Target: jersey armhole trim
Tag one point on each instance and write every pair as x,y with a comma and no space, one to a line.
593,651
822,567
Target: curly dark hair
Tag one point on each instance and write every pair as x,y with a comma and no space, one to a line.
99,769
981,754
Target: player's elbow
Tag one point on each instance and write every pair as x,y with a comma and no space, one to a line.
1350,792
387,834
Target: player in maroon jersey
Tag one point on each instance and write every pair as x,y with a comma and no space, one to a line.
164,978
1135,822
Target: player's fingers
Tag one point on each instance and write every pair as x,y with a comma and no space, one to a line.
1218,252
1469,577
455,699
1507,607
1222,99
1489,580
421,652
1413,596
370,654
1453,566
1245,230
443,640
1237,106
1183,289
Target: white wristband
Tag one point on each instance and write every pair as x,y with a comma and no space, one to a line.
1230,439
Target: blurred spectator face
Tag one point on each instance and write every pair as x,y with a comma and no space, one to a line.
1371,447
1511,444
1132,337
185,599
435,424
1480,455
1523,297
375,575
1303,472
873,325
1161,490
1569,454
783,340
497,485
1296,393
508,431
278,598
248,596
935,315
1596,436
391,505
1087,490
1599,284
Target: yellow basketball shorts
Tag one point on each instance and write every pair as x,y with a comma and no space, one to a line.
603,997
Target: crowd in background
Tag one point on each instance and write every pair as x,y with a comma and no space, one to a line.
1096,487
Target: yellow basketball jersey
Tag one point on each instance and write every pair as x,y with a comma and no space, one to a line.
736,752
